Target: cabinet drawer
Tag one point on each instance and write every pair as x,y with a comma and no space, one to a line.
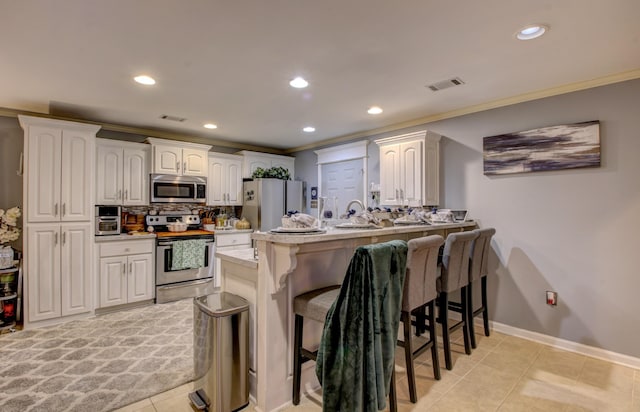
128,247
233,239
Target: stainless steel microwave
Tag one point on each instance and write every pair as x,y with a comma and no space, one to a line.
178,189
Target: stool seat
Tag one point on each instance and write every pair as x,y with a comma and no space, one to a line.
315,304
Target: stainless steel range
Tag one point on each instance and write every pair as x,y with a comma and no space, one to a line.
178,283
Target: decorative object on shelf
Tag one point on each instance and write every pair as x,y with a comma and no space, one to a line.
566,146
274,173
9,232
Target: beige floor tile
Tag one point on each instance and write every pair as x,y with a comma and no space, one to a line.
144,405
554,362
519,346
514,364
180,390
608,377
533,395
178,403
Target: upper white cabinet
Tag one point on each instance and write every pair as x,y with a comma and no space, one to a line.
58,161
179,158
225,180
122,176
409,169
254,160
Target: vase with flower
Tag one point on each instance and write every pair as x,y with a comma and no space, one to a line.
9,232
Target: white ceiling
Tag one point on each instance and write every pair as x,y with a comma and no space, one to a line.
229,62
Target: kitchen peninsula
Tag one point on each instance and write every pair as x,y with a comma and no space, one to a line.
288,265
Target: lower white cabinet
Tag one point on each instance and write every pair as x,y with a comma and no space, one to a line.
230,241
58,272
126,272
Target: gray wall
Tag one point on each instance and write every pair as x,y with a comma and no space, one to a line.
572,231
11,142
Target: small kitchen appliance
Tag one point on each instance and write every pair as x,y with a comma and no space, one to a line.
178,189
108,220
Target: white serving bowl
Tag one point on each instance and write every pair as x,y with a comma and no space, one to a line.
210,227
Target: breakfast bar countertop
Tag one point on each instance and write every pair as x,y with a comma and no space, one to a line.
340,234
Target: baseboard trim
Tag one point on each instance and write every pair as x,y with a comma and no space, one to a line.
564,344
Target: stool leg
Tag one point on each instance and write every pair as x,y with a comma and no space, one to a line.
434,339
464,300
472,331
297,361
485,307
444,320
408,356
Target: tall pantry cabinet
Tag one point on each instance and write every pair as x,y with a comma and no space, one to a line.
58,198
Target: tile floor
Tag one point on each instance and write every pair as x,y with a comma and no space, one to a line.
504,373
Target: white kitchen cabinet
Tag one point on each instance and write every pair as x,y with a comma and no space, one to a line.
254,160
226,241
409,169
58,279
126,272
122,176
179,158
59,170
225,180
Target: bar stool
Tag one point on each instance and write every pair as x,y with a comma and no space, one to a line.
373,282
419,294
478,270
454,275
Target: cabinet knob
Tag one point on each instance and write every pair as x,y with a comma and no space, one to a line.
126,249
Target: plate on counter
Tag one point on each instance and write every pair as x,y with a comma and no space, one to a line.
298,230
357,226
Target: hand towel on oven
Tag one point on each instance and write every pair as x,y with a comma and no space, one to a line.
188,254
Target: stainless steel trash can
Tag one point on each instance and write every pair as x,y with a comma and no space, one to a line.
221,352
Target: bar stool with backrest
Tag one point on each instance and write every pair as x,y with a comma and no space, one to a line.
454,275
478,270
420,293
328,305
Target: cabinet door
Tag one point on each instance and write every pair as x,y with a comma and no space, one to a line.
44,147
234,182
167,160
432,172
42,277
135,177
76,175
216,182
285,162
389,174
411,173
76,268
251,163
140,278
194,162
113,281
109,175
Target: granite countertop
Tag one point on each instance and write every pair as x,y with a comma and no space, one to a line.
338,234
123,237
242,257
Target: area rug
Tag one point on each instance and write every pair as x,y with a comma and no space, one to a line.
98,364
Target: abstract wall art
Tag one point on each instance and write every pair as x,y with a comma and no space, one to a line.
565,146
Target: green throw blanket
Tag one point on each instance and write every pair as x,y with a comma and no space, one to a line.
356,353
188,254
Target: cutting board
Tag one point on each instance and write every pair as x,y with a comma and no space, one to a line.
187,233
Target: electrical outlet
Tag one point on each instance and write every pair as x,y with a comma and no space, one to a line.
552,298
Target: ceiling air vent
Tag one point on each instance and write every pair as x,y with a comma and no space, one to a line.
173,118
445,84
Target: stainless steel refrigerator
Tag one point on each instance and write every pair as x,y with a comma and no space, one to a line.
267,200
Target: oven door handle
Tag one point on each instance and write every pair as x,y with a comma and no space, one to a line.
198,282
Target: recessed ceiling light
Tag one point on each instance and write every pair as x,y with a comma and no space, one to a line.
309,129
146,80
532,31
299,83
374,110
211,126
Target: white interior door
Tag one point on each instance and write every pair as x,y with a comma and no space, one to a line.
343,180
